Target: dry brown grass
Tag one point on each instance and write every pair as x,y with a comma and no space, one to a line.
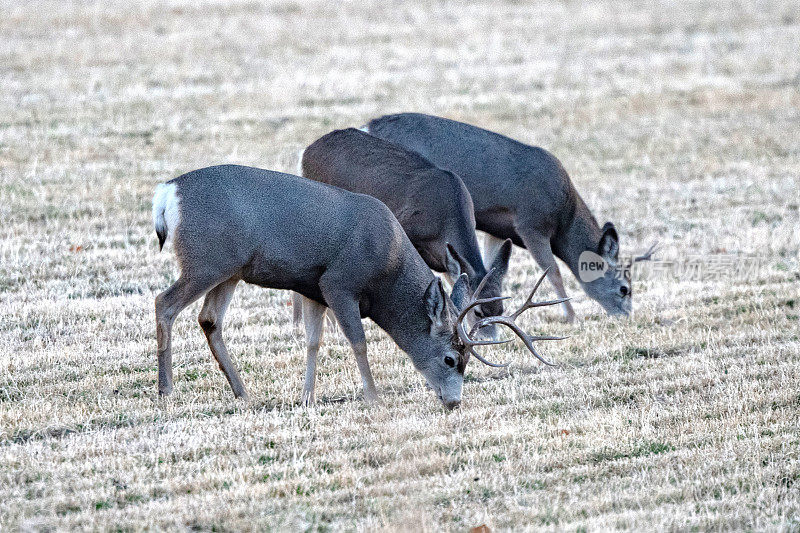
679,121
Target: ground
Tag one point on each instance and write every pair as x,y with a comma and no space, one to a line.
677,121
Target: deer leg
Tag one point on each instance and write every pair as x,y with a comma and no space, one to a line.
297,312
211,316
168,304
543,255
314,320
331,320
297,309
349,317
448,278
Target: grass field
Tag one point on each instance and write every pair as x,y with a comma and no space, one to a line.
677,121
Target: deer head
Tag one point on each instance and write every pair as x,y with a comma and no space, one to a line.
611,286
445,374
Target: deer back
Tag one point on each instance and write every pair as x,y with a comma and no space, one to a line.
282,231
502,175
432,205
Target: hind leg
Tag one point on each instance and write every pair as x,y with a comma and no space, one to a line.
297,309
314,320
297,312
168,304
210,318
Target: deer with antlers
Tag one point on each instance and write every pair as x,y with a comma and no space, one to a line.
338,249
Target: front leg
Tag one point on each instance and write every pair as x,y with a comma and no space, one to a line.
347,313
542,253
370,392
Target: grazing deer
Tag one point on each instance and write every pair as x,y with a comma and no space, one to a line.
432,205
521,193
338,249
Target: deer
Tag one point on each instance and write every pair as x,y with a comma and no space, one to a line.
339,250
433,206
523,193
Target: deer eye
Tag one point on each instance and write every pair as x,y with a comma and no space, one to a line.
449,361
623,290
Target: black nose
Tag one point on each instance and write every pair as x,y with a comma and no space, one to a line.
452,404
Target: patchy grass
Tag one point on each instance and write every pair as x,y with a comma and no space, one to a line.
677,124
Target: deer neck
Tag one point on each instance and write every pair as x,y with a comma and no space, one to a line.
398,308
580,233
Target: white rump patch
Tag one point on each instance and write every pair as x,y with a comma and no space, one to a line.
166,212
300,161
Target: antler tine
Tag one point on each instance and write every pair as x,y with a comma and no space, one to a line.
496,320
527,339
536,354
471,342
482,284
647,255
529,303
474,300
535,287
473,303
508,321
539,282
545,303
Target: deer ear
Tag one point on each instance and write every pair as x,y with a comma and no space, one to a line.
460,292
455,264
501,258
608,248
451,263
435,304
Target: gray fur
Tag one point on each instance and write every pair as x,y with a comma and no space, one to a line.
432,205
520,192
342,250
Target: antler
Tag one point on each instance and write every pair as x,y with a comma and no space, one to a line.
466,339
647,255
508,321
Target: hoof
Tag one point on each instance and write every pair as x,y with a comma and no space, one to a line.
371,397
307,400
